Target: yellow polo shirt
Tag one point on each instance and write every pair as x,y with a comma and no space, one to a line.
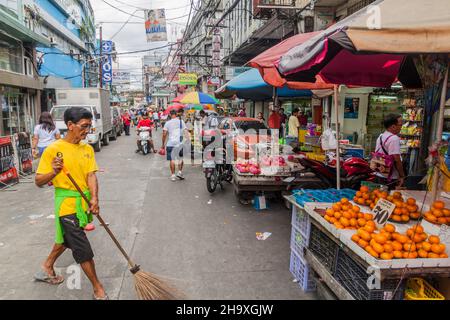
79,159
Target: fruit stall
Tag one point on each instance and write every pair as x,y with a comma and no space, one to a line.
269,175
352,245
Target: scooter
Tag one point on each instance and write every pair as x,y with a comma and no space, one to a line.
216,170
144,139
353,172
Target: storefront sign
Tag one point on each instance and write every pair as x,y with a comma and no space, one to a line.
187,79
8,172
25,153
155,25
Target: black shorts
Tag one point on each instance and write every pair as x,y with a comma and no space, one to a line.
177,153
75,239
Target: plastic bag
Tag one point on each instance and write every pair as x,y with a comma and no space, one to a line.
328,140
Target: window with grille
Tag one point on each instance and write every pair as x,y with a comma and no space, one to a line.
358,6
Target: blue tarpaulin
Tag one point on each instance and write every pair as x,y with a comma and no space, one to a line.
251,86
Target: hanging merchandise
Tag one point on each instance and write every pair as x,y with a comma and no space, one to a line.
328,140
155,25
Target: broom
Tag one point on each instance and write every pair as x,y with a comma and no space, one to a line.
147,285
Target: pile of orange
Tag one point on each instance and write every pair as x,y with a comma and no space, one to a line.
404,211
344,215
438,214
366,198
389,244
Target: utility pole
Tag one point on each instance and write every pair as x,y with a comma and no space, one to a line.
100,66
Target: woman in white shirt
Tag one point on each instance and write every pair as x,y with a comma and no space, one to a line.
45,133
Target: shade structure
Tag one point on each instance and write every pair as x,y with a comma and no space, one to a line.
251,86
374,46
267,63
194,107
198,98
176,106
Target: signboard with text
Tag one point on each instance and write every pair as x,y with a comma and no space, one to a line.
107,48
187,79
155,25
8,171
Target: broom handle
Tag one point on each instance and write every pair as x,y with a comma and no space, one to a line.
130,262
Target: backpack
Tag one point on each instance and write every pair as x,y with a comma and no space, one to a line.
383,163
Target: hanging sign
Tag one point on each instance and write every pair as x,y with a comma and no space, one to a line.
187,79
155,25
8,171
25,153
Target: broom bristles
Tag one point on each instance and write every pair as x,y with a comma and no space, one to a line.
149,287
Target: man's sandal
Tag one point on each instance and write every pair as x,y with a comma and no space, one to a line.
45,277
98,298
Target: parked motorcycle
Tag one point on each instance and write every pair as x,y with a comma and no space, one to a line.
217,170
144,139
353,172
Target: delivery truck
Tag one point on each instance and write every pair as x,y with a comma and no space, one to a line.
95,100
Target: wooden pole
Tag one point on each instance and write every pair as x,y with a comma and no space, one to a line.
338,153
435,181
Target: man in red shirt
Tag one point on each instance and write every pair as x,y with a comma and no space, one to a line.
126,122
274,120
145,122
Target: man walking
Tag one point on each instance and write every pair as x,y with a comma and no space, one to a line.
172,141
71,213
126,122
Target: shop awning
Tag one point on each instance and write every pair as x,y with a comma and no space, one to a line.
251,86
267,63
16,29
373,47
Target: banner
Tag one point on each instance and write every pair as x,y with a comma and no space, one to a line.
155,25
8,172
107,48
187,79
23,142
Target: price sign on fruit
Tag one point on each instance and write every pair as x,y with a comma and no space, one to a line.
382,211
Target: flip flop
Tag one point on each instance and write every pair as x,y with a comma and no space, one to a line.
97,298
45,277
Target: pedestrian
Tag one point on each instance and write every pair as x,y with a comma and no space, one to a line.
45,133
242,113
172,140
156,120
293,126
260,117
133,117
126,122
283,120
274,120
388,143
303,119
71,213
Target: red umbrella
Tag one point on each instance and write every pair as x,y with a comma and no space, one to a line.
178,99
267,63
176,106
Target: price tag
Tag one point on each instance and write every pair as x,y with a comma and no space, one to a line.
382,211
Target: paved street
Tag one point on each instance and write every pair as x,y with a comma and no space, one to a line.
204,243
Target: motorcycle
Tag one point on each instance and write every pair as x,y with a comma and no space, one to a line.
217,170
353,172
144,139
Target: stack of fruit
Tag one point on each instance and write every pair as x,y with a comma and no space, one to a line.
389,244
344,215
366,198
438,214
404,211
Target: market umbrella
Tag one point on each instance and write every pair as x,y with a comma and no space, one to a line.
198,98
176,107
267,63
178,99
251,86
194,107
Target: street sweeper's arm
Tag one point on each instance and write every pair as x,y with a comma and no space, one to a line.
93,188
44,178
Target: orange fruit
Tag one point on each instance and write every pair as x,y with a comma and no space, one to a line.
417,238
422,254
442,220
409,247
374,254
347,215
369,229
366,196
338,215
437,213
389,228
426,246
411,209
345,222
381,239
362,243
353,222
424,236
378,248
371,223
397,246
345,207
368,216
356,209
344,200
434,239
390,198
364,189
362,222
396,218
402,239
329,212
398,254
388,248
337,207
411,201
360,215
405,211
397,195
338,225
432,255
409,232
446,212
355,238
388,235
327,218
363,234
410,255
414,215
405,218
438,248
430,217
333,220
398,211
386,256
372,206
443,256
439,204
361,201
358,194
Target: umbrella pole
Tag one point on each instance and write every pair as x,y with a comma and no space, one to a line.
440,128
338,153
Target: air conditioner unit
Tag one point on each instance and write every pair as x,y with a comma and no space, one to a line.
53,41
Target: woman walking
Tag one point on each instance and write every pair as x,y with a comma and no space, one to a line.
45,133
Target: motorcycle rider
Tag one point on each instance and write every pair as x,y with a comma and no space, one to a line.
145,122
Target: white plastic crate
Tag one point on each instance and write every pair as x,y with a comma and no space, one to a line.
299,241
302,273
300,220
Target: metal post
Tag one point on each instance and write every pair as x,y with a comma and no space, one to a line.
338,153
440,128
100,68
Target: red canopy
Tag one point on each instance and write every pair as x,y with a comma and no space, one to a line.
179,98
267,63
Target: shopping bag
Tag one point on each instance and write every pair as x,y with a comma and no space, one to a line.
162,152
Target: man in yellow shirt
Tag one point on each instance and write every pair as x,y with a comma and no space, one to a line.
72,214
293,125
